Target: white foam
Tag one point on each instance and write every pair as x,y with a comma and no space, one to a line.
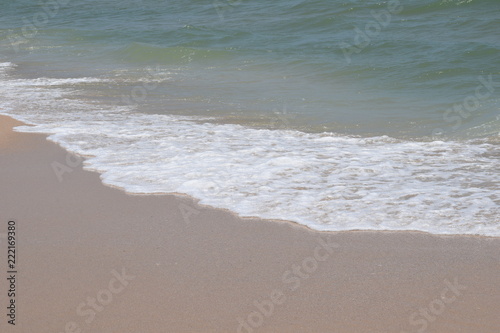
5,67
56,82
324,181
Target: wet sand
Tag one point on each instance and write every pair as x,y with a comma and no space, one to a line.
91,258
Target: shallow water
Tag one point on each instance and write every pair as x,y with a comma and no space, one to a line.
338,115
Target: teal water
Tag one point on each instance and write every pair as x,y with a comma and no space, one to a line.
249,60
408,76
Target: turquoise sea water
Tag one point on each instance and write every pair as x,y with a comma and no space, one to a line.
335,114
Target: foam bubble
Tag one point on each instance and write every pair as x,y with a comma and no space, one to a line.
324,181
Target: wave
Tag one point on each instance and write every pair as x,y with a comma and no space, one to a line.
325,181
431,6
175,55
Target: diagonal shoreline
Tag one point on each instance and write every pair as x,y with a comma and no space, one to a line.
200,269
73,160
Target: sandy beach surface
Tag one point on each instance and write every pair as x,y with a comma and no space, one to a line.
91,258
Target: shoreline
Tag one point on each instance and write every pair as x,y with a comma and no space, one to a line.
194,268
82,158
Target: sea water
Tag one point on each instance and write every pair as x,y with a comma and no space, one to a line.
339,115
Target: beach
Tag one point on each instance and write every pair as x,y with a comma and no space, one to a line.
92,258
250,166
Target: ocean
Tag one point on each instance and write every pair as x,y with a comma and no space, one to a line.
337,115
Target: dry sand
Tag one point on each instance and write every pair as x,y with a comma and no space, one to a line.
190,268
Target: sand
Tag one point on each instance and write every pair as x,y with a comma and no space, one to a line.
91,258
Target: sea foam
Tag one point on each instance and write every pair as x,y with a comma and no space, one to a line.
322,180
